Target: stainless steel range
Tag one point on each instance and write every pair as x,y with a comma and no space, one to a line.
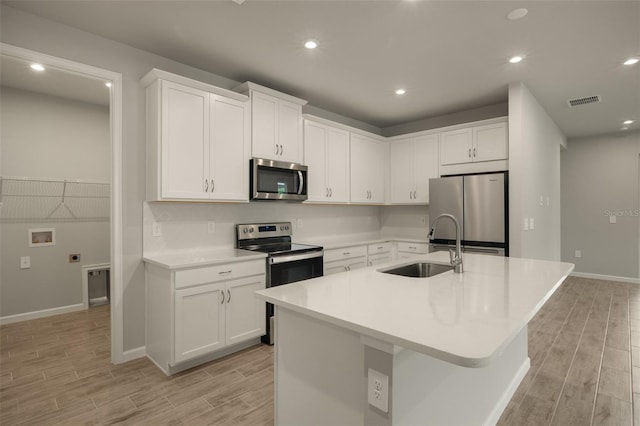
287,262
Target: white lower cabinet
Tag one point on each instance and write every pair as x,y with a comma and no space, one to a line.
195,312
407,250
379,253
344,259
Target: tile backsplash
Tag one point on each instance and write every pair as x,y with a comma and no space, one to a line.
185,226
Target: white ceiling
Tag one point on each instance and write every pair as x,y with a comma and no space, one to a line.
17,74
449,55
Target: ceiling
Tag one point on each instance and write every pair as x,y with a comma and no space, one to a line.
17,74
448,55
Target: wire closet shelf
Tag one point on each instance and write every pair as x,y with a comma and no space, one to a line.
28,200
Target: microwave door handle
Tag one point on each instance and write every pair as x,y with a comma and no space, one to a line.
301,177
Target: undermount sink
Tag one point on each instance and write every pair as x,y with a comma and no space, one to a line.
418,270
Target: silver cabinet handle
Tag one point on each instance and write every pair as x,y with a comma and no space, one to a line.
475,152
281,149
330,192
413,248
206,185
415,195
213,185
222,294
380,247
469,152
277,149
411,195
346,253
346,268
326,192
229,296
225,272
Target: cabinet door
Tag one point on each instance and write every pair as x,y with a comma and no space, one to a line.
425,166
245,313
456,146
491,142
289,131
229,154
264,122
367,170
199,321
402,161
338,165
315,136
185,142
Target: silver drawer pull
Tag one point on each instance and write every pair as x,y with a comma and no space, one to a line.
413,248
228,296
346,253
222,294
225,272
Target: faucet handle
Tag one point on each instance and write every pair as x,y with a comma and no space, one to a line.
451,254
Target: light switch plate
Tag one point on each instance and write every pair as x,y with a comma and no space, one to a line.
531,224
25,262
526,224
211,227
157,229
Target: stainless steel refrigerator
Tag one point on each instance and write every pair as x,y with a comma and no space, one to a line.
480,204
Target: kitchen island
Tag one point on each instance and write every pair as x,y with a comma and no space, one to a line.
367,347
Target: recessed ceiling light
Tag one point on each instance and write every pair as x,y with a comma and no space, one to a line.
37,67
108,84
516,14
310,44
516,59
400,91
631,61
627,122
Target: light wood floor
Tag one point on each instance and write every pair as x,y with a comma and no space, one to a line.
584,346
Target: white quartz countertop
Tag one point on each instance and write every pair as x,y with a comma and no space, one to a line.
465,319
191,259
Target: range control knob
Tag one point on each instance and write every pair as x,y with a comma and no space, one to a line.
282,227
245,230
251,230
286,227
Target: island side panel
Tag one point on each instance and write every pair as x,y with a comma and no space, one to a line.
319,375
430,391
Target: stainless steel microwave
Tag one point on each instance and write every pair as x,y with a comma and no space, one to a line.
277,180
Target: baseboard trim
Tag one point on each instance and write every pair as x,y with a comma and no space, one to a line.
132,354
41,314
606,277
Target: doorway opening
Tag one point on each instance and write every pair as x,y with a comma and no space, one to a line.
77,189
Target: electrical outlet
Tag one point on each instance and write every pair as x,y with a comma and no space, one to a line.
541,201
531,224
526,224
378,390
578,254
299,223
211,227
423,220
612,219
157,229
25,262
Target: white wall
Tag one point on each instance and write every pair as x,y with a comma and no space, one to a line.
50,137
534,177
600,179
404,222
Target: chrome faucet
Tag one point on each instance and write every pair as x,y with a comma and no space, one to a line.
456,261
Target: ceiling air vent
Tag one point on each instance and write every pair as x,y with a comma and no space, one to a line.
583,101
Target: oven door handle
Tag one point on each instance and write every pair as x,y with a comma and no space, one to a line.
292,258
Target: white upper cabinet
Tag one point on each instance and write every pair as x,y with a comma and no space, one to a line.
197,140
276,124
228,149
368,169
480,143
412,163
326,151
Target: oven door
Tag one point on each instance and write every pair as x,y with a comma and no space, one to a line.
288,269
278,180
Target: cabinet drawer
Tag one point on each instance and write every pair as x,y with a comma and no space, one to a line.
420,248
379,248
344,253
209,274
376,259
